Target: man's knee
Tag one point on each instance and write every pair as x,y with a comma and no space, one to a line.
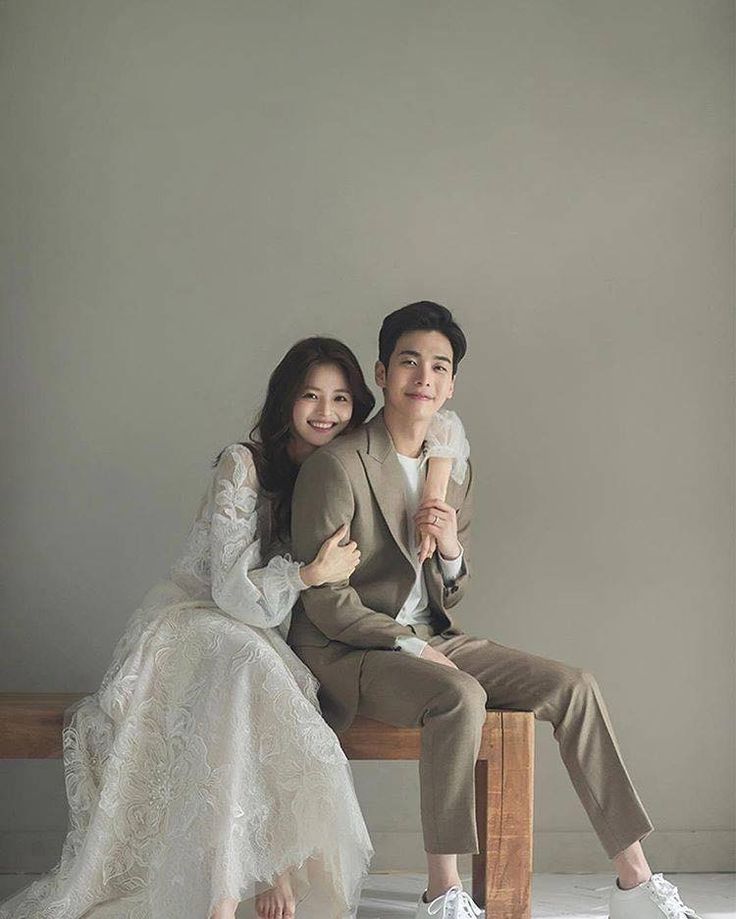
578,686
465,694
583,679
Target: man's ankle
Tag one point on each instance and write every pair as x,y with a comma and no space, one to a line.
633,881
440,891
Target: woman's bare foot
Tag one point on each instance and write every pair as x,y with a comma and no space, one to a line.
278,901
225,909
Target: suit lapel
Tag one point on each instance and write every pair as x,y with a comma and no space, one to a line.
386,478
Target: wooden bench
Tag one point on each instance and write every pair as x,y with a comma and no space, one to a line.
31,723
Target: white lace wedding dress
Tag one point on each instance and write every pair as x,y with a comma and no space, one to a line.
202,767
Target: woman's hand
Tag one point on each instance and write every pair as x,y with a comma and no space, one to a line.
333,562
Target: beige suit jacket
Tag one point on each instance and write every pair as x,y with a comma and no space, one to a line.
357,479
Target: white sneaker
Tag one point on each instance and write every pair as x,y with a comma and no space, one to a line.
649,900
454,903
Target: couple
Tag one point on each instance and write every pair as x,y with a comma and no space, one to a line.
202,773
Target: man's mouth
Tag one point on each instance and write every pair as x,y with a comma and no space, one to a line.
322,425
420,397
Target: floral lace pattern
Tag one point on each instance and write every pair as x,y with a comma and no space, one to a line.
201,768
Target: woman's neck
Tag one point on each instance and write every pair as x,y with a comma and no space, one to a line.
299,450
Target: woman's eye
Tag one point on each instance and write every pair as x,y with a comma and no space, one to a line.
308,395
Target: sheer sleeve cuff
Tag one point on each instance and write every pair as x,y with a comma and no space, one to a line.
280,582
446,438
293,573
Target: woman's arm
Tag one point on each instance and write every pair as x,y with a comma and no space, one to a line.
446,452
435,486
260,595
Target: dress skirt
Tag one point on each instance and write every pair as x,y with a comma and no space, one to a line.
200,769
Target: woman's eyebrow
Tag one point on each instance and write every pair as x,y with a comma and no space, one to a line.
318,389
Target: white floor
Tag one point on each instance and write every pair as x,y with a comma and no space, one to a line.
582,896
712,896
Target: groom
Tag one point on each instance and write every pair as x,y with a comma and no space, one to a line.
387,644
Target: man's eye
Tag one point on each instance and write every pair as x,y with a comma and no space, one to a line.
441,367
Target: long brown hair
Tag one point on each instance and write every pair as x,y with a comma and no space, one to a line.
269,437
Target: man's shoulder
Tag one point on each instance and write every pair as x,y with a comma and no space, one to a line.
349,443
343,450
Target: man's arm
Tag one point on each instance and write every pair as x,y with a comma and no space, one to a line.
323,500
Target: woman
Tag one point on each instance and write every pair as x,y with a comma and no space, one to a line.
201,772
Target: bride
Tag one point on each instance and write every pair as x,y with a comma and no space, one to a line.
201,774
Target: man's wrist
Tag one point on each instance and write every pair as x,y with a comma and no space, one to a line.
451,568
453,554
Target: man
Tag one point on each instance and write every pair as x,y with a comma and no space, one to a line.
386,643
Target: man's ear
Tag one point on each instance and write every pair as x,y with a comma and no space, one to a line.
452,389
379,372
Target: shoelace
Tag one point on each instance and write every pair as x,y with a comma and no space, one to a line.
665,895
455,904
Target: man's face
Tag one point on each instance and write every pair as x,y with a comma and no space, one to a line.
418,379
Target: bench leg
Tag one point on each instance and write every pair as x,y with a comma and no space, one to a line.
504,795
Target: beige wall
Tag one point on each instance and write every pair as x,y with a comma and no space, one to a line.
190,187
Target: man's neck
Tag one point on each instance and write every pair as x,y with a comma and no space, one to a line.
407,434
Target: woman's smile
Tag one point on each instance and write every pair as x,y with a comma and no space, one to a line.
322,425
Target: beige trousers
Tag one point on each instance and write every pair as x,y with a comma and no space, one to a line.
403,690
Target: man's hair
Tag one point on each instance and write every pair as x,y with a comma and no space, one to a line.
423,316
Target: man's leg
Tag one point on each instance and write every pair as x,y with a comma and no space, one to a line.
450,707
570,699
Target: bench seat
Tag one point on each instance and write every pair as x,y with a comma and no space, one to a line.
31,725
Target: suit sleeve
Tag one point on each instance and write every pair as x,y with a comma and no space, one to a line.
323,500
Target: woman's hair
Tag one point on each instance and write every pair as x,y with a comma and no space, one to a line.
271,432
424,316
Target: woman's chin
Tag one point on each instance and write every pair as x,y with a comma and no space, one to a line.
319,440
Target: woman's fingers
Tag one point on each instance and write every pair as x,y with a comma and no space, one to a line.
338,534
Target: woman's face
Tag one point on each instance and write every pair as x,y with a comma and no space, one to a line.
322,409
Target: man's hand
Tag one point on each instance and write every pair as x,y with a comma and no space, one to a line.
431,654
439,519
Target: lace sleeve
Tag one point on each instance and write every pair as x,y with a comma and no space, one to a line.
446,437
260,595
